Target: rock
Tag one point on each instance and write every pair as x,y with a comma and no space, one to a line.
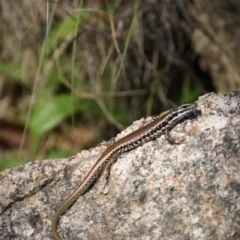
157,191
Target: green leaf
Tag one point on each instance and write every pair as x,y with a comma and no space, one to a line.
50,112
12,70
11,160
64,28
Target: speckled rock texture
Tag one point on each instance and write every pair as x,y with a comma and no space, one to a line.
157,191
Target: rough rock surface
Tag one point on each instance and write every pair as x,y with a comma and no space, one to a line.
157,191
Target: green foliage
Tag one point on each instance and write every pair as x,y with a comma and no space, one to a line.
48,113
136,6
57,153
189,92
11,70
60,33
11,160
152,92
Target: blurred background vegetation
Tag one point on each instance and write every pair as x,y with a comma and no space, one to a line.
74,73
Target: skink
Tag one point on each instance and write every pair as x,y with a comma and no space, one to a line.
161,125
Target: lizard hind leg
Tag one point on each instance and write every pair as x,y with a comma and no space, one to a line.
106,174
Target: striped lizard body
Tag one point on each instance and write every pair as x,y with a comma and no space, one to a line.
161,125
